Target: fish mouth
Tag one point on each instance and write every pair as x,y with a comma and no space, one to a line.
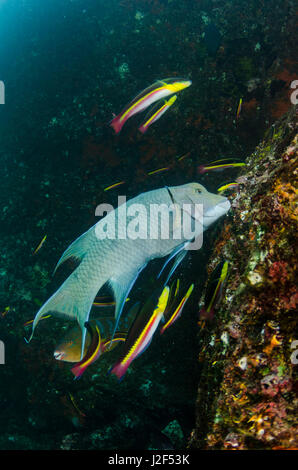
58,355
218,211
186,83
178,86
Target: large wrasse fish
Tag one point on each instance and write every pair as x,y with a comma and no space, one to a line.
119,260
159,90
155,113
214,290
141,333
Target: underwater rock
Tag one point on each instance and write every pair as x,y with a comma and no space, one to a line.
247,393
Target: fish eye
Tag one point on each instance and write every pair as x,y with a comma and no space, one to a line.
198,190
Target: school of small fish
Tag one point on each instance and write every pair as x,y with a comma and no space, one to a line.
118,262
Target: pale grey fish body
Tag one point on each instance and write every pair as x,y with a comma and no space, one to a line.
119,261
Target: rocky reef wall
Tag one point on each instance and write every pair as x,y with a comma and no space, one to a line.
247,394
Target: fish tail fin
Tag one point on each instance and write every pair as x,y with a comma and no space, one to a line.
143,129
72,300
78,370
119,369
206,315
202,313
162,330
117,124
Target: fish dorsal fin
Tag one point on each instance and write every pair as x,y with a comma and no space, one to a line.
78,248
161,82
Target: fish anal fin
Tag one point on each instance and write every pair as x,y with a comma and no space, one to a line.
179,258
172,255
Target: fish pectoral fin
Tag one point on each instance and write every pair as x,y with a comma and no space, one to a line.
171,256
179,258
78,248
121,288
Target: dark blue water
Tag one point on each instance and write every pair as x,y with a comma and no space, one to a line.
68,67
